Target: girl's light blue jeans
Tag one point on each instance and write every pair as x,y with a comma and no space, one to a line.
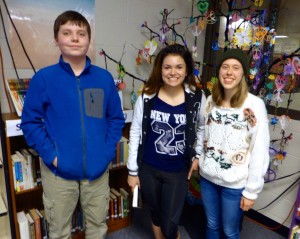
222,209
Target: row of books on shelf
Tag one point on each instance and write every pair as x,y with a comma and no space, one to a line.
17,89
121,154
32,224
26,169
119,204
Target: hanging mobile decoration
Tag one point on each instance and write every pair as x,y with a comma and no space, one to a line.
274,119
202,6
121,75
138,59
260,33
280,82
292,70
164,27
270,37
121,71
133,95
196,31
296,65
202,24
145,54
242,37
150,46
235,16
279,154
211,83
284,121
288,68
255,74
211,17
258,3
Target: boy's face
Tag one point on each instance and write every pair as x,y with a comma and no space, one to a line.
73,41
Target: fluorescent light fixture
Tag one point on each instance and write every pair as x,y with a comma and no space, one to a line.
279,36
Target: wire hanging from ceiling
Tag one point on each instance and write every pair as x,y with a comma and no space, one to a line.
19,38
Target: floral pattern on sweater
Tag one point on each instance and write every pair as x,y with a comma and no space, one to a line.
236,143
233,120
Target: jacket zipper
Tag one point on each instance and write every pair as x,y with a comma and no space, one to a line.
82,126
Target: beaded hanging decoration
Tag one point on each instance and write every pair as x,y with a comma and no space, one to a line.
133,95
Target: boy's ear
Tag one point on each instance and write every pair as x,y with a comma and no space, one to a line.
55,41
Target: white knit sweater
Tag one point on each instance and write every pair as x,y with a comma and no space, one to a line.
236,150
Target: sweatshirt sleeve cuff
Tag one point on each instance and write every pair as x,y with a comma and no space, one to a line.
251,196
133,173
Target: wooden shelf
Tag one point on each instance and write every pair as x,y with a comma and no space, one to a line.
119,224
78,235
38,188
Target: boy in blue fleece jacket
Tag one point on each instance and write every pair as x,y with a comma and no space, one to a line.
72,116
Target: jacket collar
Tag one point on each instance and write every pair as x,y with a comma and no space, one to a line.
66,66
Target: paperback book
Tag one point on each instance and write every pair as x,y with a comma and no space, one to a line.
17,89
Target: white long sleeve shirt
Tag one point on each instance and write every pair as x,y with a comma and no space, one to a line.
236,150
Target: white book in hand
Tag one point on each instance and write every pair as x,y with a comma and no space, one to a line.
136,199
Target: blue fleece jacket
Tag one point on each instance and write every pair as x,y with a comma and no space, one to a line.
77,119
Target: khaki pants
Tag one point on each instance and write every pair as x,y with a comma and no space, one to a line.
60,198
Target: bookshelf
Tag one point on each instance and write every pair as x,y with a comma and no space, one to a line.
295,217
32,198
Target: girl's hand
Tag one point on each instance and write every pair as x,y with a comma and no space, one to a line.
132,181
194,167
246,204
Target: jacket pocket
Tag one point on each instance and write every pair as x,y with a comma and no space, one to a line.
93,101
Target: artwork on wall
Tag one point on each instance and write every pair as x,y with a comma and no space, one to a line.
36,19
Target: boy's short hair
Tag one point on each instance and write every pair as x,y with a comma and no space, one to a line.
71,16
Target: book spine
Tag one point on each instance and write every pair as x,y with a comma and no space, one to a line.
20,174
111,209
14,175
115,208
122,206
23,225
125,206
